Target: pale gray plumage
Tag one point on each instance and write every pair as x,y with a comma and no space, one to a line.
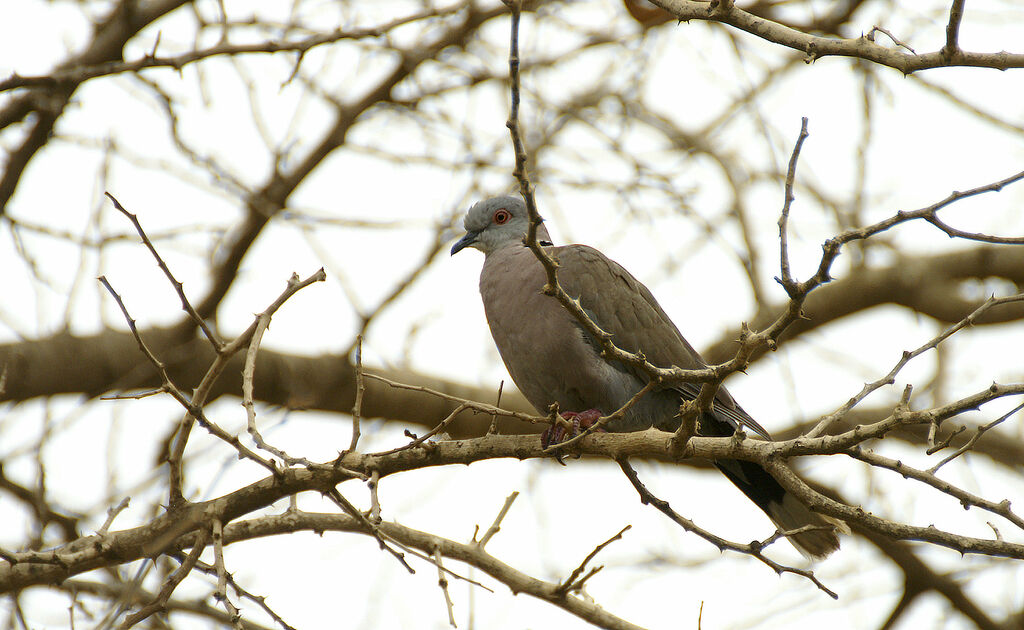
552,359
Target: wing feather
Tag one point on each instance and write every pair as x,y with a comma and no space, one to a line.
621,305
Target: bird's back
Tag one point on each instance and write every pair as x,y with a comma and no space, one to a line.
551,357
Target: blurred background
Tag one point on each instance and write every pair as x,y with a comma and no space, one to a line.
257,139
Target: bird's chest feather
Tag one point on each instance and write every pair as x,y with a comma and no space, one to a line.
542,345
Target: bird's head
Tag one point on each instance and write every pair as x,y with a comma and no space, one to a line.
495,223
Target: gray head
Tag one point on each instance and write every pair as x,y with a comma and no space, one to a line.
495,223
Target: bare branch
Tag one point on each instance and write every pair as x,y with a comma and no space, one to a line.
928,477
974,438
462,402
814,47
573,583
179,288
472,554
878,29
787,277
82,73
907,357
956,15
357,406
112,514
222,574
751,549
496,525
442,581
172,582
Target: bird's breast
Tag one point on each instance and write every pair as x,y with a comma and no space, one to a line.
543,346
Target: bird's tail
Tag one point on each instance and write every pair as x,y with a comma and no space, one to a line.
784,509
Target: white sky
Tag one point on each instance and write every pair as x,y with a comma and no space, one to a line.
924,148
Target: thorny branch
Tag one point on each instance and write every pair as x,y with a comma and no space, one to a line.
178,286
171,583
202,391
814,47
471,553
753,549
928,477
84,554
974,439
194,411
574,582
111,548
908,355
222,573
194,405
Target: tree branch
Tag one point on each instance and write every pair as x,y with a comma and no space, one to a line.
815,47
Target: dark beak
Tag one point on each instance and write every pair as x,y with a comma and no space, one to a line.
464,242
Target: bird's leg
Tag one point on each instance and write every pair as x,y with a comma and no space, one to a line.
586,419
572,423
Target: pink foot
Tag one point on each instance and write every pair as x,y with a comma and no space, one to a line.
577,422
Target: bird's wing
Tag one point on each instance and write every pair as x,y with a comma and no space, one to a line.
622,306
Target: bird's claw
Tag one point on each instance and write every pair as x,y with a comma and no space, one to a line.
571,424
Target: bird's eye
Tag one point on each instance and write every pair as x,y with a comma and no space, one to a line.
502,216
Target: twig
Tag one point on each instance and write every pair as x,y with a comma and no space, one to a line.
890,377
177,448
372,528
420,440
469,404
787,277
928,477
171,583
259,600
815,47
956,15
752,549
878,29
357,407
442,581
112,514
132,592
469,553
372,484
931,450
72,605
80,72
974,438
178,286
889,529
222,574
249,377
135,395
953,232
248,384
570,583
494,417
135,332
496,525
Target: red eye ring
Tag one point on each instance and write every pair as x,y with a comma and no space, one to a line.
502,216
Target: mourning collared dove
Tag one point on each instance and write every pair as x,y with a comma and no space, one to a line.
554,360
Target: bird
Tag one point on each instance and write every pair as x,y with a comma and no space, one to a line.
553,360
